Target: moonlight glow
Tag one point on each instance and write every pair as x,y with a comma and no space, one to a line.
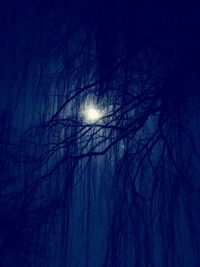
92,114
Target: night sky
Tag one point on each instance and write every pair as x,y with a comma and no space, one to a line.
99,134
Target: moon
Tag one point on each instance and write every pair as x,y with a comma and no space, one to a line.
92,113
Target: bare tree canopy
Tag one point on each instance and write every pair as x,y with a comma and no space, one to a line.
99,134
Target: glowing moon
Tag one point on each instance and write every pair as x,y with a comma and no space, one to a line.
92,114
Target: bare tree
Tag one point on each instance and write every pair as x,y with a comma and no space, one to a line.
120,188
